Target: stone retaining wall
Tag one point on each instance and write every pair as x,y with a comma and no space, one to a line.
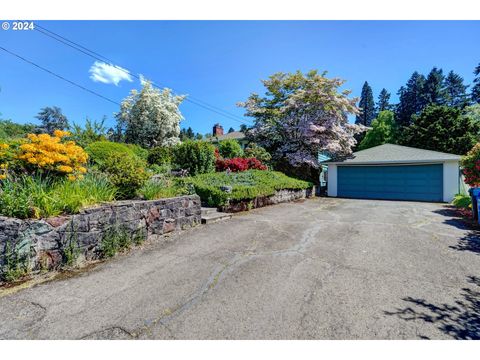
45,244
280,196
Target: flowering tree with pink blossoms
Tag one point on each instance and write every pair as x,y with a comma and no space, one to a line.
302,115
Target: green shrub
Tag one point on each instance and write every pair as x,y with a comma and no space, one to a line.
230,149
198,157
462,201
245,185
255,151
37,197
163,187
10,130
127,173
139,151
160,155
99,151
160,169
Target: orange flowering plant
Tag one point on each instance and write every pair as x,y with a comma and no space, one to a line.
54,155
4,157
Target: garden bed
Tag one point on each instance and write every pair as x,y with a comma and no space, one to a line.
32,245
233,192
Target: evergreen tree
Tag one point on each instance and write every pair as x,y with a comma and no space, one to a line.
411,99
367,106
52,119
476,86
383,102
243,128
442,128
456,91
187,134
434,91
190,134
231,130
183,135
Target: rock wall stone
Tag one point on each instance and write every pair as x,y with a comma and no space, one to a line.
44,243
280,196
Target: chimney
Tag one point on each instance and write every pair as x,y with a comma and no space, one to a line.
217,130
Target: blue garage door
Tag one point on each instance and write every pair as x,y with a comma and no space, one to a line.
406,182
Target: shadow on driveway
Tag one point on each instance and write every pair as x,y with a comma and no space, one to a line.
460,320
469,242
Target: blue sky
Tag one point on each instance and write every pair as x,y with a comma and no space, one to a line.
222,62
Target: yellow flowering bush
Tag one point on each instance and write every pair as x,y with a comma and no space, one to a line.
53,154
3,160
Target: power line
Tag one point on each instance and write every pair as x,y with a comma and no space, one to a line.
102,58
59,76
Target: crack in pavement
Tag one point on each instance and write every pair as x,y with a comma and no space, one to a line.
300,247
239,258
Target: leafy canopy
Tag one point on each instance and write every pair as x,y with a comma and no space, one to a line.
150,117
300,115
93,131
383,131
11,130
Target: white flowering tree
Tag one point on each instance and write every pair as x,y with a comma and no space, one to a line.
150,117
302,115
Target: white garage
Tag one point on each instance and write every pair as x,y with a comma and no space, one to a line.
394,172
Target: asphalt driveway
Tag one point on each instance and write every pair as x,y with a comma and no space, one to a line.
317,269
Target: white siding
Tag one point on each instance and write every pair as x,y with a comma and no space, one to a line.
450,180
332,180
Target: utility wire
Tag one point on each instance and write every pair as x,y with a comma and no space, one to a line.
102,58
59,76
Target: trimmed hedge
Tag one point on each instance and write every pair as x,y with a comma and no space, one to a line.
245,185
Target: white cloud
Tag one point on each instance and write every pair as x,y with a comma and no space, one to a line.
142,79
108,74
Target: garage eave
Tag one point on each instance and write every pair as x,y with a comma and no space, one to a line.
396,154
393,162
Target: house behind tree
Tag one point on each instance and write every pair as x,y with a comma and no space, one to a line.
219,135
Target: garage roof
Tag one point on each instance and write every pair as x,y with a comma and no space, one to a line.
390,153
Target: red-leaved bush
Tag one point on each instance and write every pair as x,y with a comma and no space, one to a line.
471,166
239,164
